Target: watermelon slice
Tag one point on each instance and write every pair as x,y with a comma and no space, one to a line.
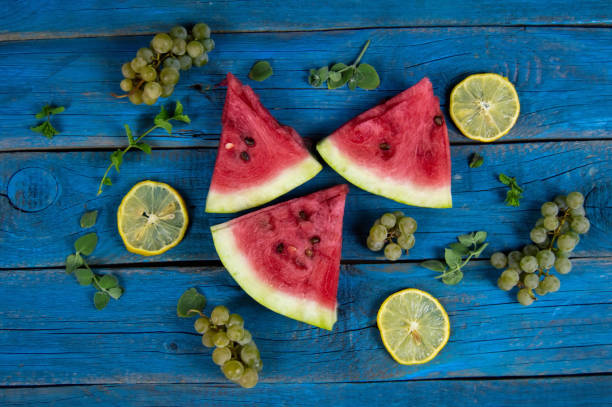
399,149
287,256
258,159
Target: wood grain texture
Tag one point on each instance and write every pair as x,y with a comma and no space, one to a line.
55,18
563,77
34,237
587,391
51,334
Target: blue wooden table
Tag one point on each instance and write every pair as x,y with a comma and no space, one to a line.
56,349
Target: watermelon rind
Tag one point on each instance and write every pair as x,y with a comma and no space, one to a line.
238,265
285,181
404,192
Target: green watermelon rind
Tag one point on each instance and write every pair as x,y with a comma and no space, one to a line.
403,192
288,179
240,268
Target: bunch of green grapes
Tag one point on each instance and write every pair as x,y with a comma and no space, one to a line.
235,352
393,232
554,237
155,70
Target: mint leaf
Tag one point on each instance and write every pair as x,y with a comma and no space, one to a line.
101,300
117,159
514,194
479,251
466,240
108,281
73,262
46,129
452,277
453,260
57,110
504,179
84,276
106,181
190,300
141,145
476,161
178,109
480,237
261,71
367,77
128,132
166,125
86,244
44,112
89,219
345,75
163,114
459,248
433,265
115,292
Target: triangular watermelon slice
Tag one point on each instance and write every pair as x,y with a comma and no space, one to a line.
399,149
287,256
258,160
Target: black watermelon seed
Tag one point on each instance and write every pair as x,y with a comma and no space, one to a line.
249,141
438,120
280,248
303,215
315,239
245,156
384,146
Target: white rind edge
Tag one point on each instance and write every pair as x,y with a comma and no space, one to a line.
288,179
301,309
406,192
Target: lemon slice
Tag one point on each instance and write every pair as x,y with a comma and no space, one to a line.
152,218
413,326
484,106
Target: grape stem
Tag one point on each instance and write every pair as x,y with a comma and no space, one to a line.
135,88
555,234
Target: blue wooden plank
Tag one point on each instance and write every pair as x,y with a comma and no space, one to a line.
565,93
51,334
38,223
558,392
90,18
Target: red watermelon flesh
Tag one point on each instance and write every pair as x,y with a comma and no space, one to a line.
287,256
399,149
258,159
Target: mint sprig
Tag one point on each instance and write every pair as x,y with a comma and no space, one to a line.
261,71
458,256
476,160
46,128
514,194
162,120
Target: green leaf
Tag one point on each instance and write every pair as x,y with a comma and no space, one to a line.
452,277
163,114
261,71
345,75
128,131
89,219
480,237
190,300
479,251
452,259
117,159
44,112
323,73
467,240
108,281
434,265
86,244
476,161
73,262
101,300
57,110
504,179
46,129
335,76
352,83
367,77
166,125
182,118
314,79
178,109
107,181
115,292
84,276
141,145
459,248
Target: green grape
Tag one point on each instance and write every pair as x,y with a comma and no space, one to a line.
510,275
514,258
178,32
505,284
378,233
551,223
246,338
565,227
524,296
200,31
560,201
126,85
233,369
393,251
388,220
538,235
127,71
146,54
574,200
209,44
407,225
579,224
374,245
540,290
169,76
185,61
545,244
530,250
161,43
258,365
546,259
200,60
398,215
148,100
221,355
566,242
529,264
207,338
201,325
563,265
235,320
135,97
152,90
579,211
138,63
235,333
172,62
148,73
551,283
531,280
179,46
539,223
221,340
499,260
167,90
249,378
195,49
406,242
549,209
249,354
219,315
